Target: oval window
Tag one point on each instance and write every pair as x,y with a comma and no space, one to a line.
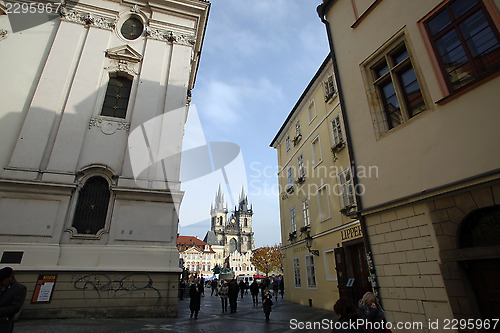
132,28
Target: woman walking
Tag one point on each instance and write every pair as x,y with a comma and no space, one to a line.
223,292
267,303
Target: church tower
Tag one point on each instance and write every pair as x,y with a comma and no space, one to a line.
236,233
218,213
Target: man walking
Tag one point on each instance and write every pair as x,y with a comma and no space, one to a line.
12,295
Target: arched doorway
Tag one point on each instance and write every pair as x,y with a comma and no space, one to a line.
480,230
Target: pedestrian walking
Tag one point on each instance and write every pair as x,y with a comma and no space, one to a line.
254,290
12,295
195,295
214,284
182,289
372,312
247,286
276,288
233,295
267,303
242,287
202,286
223,294
282,287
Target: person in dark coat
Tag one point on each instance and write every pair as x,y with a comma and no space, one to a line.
195,295
372,312
202,286
214,285
276,288
282,287
254,290
242,287
347,314
233,295
12,295
182,289
267,303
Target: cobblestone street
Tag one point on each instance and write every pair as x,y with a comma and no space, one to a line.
248,318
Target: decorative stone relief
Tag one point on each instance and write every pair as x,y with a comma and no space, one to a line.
87,19
3,34
109,127
170,36
123,66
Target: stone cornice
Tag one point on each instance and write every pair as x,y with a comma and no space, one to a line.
170,36
87,19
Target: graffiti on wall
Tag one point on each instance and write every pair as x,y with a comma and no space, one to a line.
131,285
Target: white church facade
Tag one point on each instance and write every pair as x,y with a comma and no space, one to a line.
94,104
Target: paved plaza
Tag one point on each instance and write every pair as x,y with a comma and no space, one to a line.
248,318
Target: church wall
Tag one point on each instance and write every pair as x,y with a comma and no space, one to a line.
26,68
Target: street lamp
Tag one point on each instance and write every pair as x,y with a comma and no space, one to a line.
309,241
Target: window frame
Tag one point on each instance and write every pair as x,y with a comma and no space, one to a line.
344,188
301,166
311,272
287,142
309,109
111,76
289,177
293,219
373,83
297,273
329,88
322,218
436,59
306,214
337,127
316,160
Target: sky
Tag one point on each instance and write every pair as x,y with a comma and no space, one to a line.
258,57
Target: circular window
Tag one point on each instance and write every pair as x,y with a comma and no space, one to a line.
132,28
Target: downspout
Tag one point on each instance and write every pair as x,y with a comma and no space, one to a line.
366,241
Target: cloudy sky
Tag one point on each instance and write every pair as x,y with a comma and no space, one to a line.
258,57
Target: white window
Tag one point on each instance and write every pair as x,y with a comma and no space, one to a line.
311,111
301,167
288,143
337,132
310,271
290,176
305,212
296,272
297,129
292,220
316,151
329,88
323,203
346,187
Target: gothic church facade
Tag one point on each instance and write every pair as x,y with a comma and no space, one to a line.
235,233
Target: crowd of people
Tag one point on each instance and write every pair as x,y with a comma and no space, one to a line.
267,289
229,290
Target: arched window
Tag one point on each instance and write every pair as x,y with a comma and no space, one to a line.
117,96
92,206
481,228
232,245
246,222
220,220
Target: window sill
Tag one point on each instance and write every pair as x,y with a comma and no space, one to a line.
465,89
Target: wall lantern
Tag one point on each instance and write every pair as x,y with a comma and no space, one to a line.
309,241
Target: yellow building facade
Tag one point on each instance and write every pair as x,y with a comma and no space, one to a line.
316,193
419,85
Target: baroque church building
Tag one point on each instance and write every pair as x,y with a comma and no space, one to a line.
94,103
233,234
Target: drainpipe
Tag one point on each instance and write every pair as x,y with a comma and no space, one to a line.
321,9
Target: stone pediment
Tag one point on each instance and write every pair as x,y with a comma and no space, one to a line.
125,53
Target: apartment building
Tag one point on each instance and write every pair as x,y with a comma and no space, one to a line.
419,87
